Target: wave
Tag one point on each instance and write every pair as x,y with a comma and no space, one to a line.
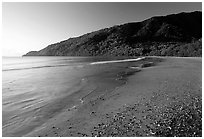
117,61
48,66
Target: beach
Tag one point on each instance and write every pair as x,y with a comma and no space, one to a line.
37,89
160,98
102,69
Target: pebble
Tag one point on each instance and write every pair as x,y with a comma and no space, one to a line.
176,119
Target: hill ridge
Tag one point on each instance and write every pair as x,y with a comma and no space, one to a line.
158,35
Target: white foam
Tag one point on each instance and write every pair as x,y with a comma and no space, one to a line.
135,67
116,61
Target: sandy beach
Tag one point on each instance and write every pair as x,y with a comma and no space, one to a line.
102,69
159,99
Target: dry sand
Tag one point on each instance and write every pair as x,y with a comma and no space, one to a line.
170,87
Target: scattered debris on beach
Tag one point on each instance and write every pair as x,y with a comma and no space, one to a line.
181,118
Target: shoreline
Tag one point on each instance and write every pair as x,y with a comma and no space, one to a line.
148,82
141,90
94,83
96,94
117,61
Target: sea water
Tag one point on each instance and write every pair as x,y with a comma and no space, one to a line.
35,89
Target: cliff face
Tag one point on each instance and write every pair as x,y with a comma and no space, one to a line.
162,35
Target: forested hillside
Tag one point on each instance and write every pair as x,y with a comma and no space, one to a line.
171,35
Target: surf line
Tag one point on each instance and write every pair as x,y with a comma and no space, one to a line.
117,61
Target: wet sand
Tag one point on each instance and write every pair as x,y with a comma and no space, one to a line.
143,103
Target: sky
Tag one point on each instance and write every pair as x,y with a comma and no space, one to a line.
33,26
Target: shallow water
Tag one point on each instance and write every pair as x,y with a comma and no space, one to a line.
35,89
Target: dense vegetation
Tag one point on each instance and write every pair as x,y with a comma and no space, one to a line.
171,35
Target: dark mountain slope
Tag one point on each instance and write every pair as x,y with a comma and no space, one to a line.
154,36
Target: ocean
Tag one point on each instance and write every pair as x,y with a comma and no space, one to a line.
35,89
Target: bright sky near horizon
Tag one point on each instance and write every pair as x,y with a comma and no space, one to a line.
33,26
